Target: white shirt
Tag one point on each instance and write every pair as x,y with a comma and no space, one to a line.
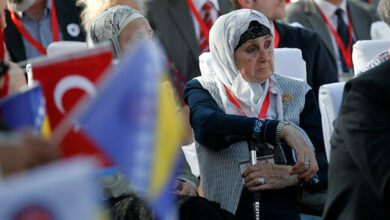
198,5
329,10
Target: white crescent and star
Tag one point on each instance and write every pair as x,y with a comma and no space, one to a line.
72,82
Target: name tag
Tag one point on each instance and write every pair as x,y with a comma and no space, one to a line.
265,159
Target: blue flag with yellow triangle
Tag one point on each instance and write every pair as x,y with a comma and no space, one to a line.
134,120
26,109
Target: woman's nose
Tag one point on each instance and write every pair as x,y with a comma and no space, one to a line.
264,55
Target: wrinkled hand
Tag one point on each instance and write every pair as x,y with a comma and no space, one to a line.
275,176
29,152
294,139
184,188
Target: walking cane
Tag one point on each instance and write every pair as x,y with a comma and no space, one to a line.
256,196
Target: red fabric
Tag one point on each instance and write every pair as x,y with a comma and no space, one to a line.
207,19
74,71
264,106
4,91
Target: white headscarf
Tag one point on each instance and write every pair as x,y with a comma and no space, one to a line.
224,37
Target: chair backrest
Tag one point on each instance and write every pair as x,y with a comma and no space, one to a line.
289,62
366,50
380,31
60,47
329,98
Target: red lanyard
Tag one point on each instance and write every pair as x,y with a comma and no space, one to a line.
203,25
345,52
23,31
264,107
4,91
276,38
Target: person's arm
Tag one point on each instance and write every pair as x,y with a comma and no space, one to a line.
215,129
324,68
363,124
310,122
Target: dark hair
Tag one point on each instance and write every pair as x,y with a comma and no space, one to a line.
254,31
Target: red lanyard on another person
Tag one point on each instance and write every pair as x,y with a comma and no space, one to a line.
345,52
264,107
276,38
201,23
36,44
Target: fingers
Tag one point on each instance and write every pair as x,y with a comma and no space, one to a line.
306,166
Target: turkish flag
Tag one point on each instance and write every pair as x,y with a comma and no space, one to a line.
65,79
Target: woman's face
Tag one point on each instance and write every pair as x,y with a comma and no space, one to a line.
255,59
136,30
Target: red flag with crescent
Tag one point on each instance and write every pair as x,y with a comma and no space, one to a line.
65,80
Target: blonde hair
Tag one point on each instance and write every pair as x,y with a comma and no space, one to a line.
92,9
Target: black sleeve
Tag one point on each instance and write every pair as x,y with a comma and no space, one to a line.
324,69
363,124
310,122
215,129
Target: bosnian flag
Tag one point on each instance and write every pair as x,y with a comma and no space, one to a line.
65,79
26,109
134,120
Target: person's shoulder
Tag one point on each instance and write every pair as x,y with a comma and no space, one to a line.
299,31
282,79
193,83
374,81
360,4
298,6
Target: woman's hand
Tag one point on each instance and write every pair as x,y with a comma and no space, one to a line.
264,176
306,166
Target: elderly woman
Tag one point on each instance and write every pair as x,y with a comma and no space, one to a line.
239,95
93,8
122,26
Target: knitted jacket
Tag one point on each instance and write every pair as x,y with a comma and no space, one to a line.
219,170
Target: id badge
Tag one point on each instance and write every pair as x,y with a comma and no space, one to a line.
265,159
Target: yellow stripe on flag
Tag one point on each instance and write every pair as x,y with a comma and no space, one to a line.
45,129
169,134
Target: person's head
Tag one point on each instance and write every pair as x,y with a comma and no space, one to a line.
122,26
384,11
272,9
241,43
93,8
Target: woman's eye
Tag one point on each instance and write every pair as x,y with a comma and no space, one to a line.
250,50
267,44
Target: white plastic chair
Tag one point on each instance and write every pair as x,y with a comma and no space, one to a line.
289,62
380,31
61,47
329,98
366,50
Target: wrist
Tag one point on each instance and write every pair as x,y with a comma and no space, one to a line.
281,131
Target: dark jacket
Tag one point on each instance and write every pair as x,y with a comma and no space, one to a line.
359,170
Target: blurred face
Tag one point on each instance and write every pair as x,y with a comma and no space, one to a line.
254,59
136,30
272,9
3,5
131,3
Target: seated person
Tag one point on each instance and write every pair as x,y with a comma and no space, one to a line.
124,26
240,95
